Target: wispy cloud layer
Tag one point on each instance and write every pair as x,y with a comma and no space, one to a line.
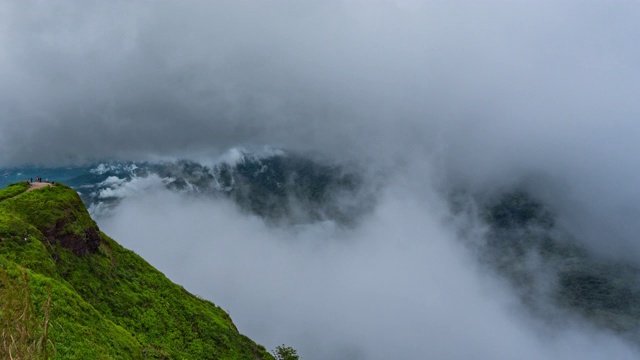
399,285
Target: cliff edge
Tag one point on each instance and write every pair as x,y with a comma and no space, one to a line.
68,291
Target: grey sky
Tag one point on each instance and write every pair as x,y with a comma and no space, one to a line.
93,81
483,95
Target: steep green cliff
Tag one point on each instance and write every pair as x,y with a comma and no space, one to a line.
90,298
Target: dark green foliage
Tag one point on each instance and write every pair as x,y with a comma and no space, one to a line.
184,171
107,301
595,292
524,245
518,210
605,294
283,352
292,188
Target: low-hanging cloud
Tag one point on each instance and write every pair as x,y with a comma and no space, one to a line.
397,286
484,97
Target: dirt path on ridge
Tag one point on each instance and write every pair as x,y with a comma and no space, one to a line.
38,185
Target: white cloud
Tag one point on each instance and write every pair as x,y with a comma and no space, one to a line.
122,188
400,285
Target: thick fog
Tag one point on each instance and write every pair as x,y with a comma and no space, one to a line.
400,285
426,97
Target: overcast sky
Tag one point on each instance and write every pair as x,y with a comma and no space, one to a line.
88,80
485,95
489,92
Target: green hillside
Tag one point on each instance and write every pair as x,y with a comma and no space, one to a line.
546,265
90,298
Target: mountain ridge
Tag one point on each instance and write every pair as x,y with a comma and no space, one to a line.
105,301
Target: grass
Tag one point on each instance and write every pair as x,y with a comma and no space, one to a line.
13,190
105,302
23,333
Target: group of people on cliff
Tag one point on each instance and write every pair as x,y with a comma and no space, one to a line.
39,179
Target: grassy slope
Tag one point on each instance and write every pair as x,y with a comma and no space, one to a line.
107,301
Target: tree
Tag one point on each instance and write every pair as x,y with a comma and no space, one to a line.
283,352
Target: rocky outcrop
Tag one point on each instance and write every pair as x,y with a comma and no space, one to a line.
79,243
